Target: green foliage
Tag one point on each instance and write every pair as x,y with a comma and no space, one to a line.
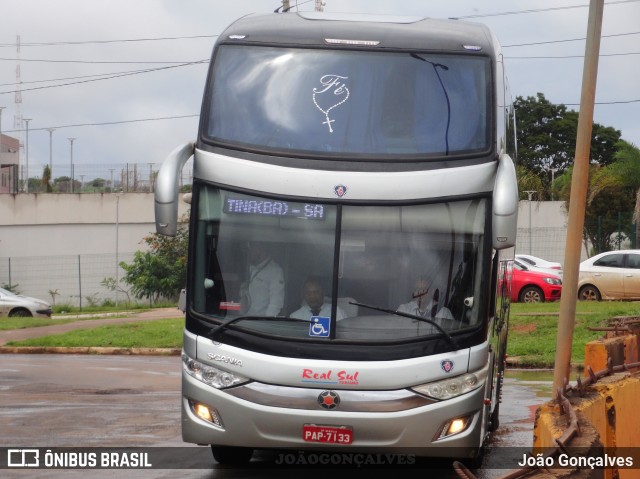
529,181
11,287
161,271
547,134
612,198
46,180
533,329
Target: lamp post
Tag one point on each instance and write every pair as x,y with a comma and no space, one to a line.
530,194
26,187
118,195
1,108
71,167
51,130
553,178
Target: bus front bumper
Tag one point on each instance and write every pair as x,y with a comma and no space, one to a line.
246,423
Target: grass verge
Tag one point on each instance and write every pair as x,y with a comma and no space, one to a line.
533,329
161,333
532,332
7,324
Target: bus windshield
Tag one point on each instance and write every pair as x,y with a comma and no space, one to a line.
349,103
306,270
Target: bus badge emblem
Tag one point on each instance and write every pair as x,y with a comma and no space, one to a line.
340,190
328,400
447,365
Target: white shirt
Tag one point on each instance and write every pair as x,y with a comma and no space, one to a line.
266,289
325,311
412,308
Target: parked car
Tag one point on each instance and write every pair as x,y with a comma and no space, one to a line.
529,286
539,264
610,275
12,304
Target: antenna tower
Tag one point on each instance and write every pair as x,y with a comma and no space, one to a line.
17,113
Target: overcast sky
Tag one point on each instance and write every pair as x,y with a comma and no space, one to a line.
67,46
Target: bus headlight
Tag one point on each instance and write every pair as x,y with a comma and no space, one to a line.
214,377
453,387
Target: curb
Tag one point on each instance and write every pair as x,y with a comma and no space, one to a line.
90,350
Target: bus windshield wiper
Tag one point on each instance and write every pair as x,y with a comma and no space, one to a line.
411,316
218,329
444,90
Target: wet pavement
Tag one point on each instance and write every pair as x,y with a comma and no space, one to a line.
29,333
118,401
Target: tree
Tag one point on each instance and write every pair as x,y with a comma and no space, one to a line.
623,175
528,181
46,179
613,198
547,139
161,271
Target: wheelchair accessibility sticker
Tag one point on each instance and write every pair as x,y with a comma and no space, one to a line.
319,327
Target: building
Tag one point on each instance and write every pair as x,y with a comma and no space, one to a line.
9,163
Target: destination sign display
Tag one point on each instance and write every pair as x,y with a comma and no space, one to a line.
264,207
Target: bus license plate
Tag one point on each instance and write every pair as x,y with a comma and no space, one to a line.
327,434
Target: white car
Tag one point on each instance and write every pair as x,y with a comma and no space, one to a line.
610,275
12,304
538,264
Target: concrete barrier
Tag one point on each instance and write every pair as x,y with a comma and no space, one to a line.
607,410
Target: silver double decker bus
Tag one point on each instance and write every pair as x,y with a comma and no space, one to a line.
352,216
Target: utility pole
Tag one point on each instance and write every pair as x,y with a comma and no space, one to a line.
51,130
26,185
1,108
71,165
530,193
578,200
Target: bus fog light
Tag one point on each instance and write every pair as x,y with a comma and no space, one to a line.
454,426
206,413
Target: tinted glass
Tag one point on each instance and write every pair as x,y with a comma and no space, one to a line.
633,261
279,263
610,260
343,102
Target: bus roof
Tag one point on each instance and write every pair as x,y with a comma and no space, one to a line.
386,32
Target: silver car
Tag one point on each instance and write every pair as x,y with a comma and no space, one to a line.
12,304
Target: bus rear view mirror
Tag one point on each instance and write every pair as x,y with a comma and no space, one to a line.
505,205
166,191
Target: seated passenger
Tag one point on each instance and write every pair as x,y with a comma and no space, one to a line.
314,303
419,306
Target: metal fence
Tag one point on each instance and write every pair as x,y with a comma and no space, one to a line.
82,178
74,279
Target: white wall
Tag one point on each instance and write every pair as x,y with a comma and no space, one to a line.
72,224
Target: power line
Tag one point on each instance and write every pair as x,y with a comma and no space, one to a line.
79,77
106,123
96,61
569,40
90,42
539,10
551,57
119,75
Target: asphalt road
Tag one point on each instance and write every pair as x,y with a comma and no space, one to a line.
53,401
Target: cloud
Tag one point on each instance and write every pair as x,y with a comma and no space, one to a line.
178,92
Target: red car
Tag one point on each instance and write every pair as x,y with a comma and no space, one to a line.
532,286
